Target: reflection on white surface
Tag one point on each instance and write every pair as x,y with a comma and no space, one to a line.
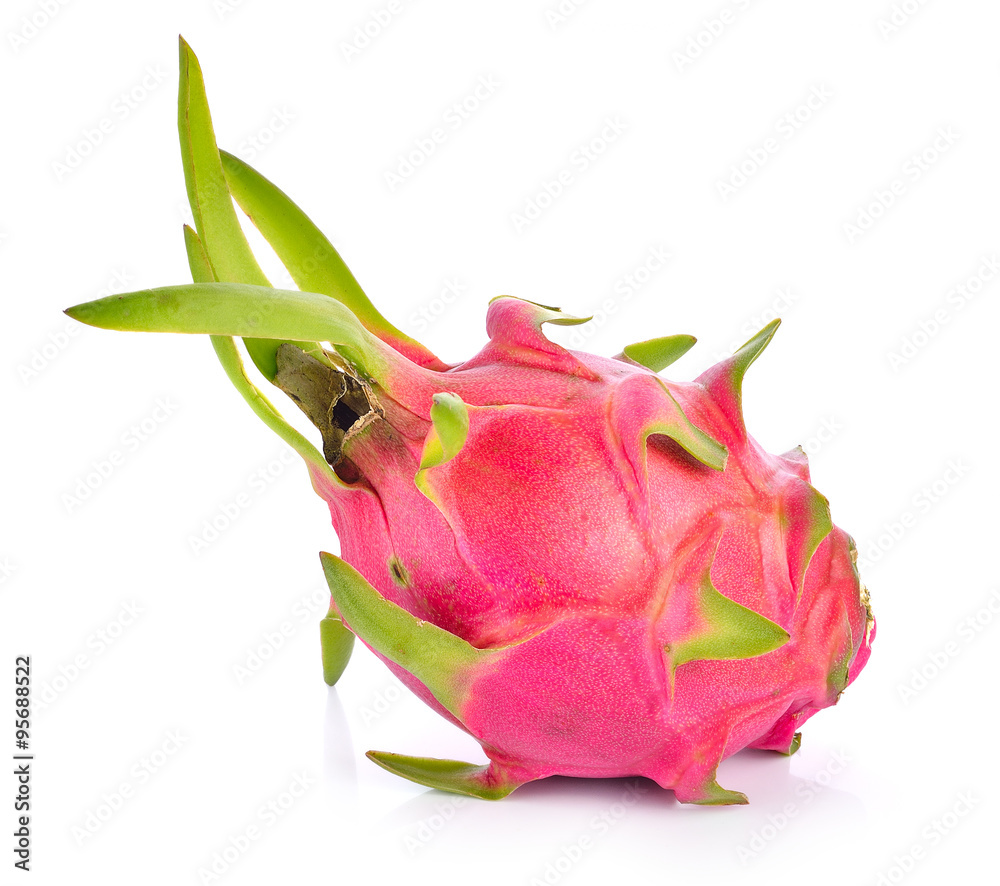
340,771
555,828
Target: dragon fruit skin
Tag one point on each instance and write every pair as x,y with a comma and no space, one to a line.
584,555
593,571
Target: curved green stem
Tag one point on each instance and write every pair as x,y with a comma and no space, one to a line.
224,243
232,364
311,259
229,357
235,309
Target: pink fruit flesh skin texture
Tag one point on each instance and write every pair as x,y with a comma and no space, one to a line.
593,571
557,535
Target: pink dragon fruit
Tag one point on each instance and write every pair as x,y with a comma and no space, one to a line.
593,571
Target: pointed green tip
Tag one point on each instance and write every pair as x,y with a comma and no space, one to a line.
198,263
528,301
751,349
442,661
675,424
185,50
567,320
656,354
839,676
724,380
453,776
93,313
795,744
547,313
187,59
715,795
731,631
336,643
450,418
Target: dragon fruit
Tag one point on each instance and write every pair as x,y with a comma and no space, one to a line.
593,571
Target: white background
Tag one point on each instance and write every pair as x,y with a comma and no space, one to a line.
898,783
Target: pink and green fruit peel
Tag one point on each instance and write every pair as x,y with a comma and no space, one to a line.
593,571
